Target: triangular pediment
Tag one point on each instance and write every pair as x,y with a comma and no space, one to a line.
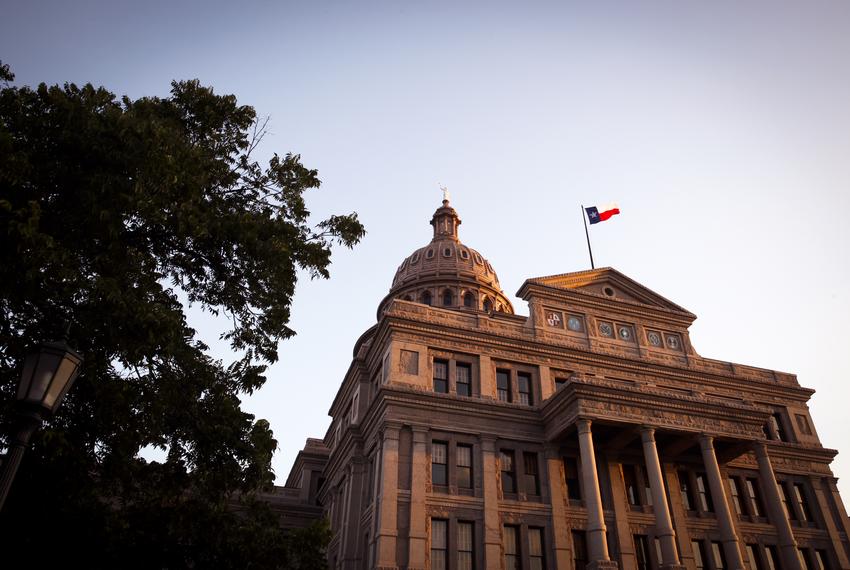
609,283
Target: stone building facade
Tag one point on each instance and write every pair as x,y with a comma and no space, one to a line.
588,434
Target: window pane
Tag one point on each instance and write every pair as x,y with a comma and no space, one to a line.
439,452
755,563
504,385
535,548
685,489
630,481
464,380
641,552
465,545
571,476
755,499
439,544
506,459
770,557
699,558
736,496
439,455
464,456
800,494
719,558
464,466
532,477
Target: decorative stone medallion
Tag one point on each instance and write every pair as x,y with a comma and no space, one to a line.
654,338
574,323
605,329
553,318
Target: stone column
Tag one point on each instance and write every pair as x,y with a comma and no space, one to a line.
418,518
563,553
597,544
490,482
663,523
387,512
721,505
775,511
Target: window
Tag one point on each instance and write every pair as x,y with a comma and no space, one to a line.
800,495
752,554
736,496
524,388
469,300
579,549
770,557
512,558
685,490
705,503
776,421
448,298
426,298
439,544
488,305
536,560
447,252
804,560
465,542
506,462
441,376
572,479
532,475
429,254
803,424
789,511
463,382
699,554
464,466
718,556
630,481
756,508
503,385
439,467
642,552
821,560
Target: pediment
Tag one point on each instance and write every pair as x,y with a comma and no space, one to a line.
608,283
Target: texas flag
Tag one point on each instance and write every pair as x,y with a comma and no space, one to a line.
601,213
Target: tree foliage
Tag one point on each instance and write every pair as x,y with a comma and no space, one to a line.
110,209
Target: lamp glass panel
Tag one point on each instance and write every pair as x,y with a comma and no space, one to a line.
47,364
63,378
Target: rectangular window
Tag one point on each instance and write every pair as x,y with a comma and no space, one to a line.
464,379
441,376
699,554
642,552
524,388
512,558
804,560
571,476
532,474
800,495
776,421
465,545
783,493
536,559
685,489
503,385
821,560
579,549
506,462
630,481
770,558
803,424
736,496
705,503
755,497
464,466
718,556
752,554
439,463
439,544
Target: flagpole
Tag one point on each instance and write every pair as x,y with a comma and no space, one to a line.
587,235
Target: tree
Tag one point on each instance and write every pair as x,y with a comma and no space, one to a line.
110,208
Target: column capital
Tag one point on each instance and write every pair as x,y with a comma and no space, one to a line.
583,425
647,433
390,430
706,441
552,450
760,448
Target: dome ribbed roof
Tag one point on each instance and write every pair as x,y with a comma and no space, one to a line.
446,264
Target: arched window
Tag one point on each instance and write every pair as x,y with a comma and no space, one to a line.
488,306
469,300
426,297
447,298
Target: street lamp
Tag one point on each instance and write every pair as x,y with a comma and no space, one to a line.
47,376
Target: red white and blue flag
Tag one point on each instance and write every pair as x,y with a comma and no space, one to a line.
601,213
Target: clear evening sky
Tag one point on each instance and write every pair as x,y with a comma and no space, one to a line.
721,128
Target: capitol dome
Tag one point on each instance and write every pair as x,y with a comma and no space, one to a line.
448,274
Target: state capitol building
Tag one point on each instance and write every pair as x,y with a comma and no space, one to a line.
589,434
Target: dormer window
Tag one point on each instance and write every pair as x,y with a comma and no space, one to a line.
469,300
488,305
429,254
415,258
447,252
477,259
426,298
464,254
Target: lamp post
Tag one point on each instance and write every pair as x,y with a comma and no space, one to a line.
47,376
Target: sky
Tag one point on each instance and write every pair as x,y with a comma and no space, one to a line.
722,129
